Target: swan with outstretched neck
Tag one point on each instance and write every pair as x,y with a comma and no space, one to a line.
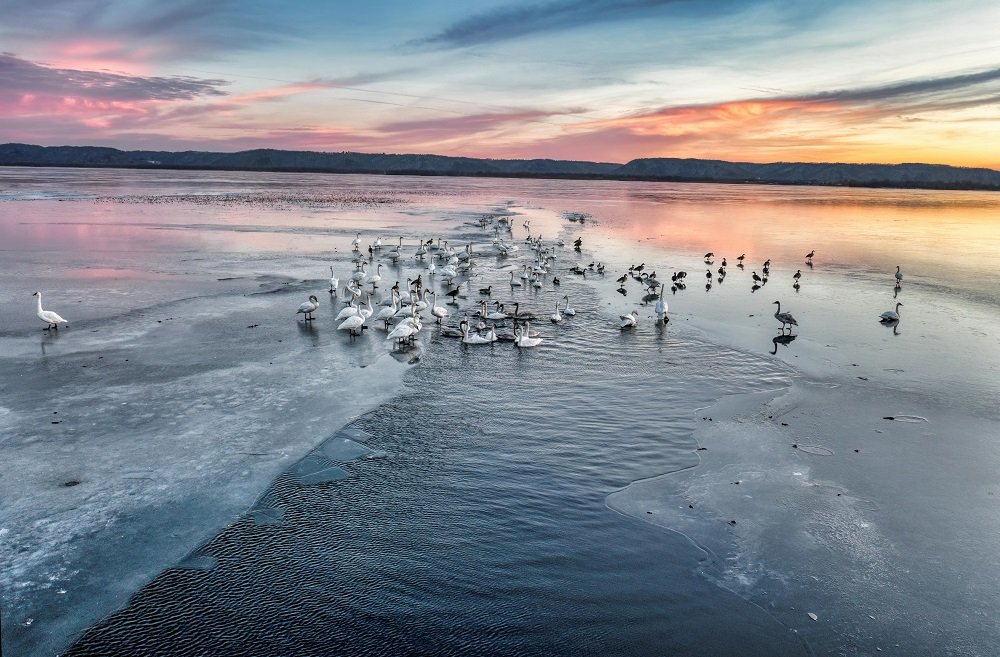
51,318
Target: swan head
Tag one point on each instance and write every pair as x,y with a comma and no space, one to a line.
312,298
36,294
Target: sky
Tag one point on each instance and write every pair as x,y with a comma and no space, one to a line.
599,80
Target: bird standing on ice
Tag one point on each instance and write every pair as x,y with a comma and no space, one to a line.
307,308
52,319
784,318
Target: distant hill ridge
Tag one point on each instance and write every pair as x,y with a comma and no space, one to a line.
933,176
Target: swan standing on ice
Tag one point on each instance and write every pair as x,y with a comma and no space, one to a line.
349,311
387,313
891,315
438,311
405,332
629,320
53,320
522,338
374,278
354,324
356,242
307,308
334,281
784,318
899,275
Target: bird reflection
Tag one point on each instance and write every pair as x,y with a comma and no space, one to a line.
784,339
408,354
48,337
308,328
894,323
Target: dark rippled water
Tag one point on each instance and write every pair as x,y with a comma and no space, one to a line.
484,530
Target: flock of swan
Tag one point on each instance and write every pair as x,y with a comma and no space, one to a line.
401,313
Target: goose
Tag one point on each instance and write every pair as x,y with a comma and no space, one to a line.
307,309
629,320
334,281
522,338
525,315
661,309
891,315
756,278
355,324
438,311
899,275
556,317
53,320
797,275
810,254
784,318
567,310
741,257
475,338
488,291
344,313
387,313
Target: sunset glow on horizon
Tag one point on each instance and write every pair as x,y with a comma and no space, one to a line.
739,80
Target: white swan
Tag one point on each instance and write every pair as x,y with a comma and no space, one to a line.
556,317
354,324
404,332
661,307
334,281
307,308
891,315
784,318
356,242
567,310
53,320
387,313
438,311
899,275
349,311
629,320
359,274
367,312
514,282
475,338
374,278
523,338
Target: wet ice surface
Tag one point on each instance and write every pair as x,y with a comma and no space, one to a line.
440,503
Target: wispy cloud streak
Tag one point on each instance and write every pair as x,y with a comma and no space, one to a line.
19,76
511,22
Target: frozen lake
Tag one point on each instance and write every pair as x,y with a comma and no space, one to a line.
190,468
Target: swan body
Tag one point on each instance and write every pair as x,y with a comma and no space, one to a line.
475,338
784,318
344,313
566,309
522,338
556,317
438,311
513,281
387,313
661,308
404,332
891,315
334,281
629,320
53,320
307,308
355,324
